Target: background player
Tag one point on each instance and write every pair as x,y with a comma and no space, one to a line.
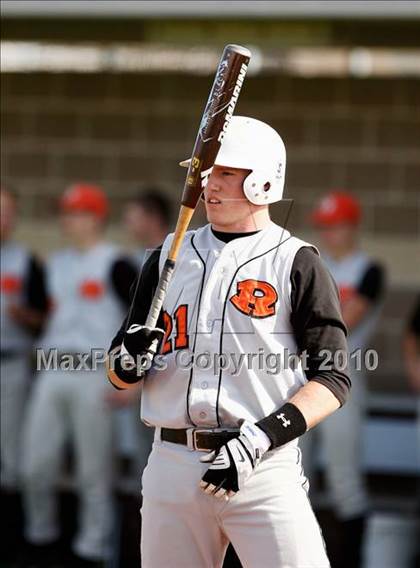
411,356
23,305
88,284
360,282
241,284
146,220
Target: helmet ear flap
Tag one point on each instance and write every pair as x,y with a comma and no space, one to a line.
260,190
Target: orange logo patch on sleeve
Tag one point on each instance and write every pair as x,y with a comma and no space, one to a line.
10,284
91,289
255,298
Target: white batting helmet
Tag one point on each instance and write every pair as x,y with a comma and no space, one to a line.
253,145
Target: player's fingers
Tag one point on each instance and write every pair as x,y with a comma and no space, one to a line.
220,493
230,494
220,486
210,489
220,490
203,484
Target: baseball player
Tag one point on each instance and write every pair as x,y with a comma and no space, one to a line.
360,282
411,348
411,358
88,285
23,305
225,464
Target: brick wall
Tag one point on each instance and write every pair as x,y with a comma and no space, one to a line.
125,131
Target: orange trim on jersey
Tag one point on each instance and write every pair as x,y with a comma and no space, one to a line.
115,380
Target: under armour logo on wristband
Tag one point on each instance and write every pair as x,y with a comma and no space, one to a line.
281,417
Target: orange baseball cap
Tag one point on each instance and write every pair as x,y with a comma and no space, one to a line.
85,197
336,208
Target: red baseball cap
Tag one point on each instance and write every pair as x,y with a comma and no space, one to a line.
85,197
335,208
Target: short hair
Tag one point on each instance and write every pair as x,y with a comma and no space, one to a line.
155,202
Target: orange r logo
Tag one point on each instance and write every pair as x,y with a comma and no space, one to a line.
255,298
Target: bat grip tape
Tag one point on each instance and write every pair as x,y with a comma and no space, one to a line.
160,293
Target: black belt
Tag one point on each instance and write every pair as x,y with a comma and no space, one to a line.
199,439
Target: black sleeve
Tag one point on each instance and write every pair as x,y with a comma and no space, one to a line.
372,284
149,278
317,322
414,323
123,274
35,286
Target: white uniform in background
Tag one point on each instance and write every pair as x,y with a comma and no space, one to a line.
209,288
16,344
71,404
341,433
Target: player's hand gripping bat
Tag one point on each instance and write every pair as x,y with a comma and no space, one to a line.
223,97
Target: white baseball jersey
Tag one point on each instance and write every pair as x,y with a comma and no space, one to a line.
232,299
85,309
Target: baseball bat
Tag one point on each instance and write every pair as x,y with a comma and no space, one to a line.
218,111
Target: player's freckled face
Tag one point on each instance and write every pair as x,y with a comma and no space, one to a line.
226,205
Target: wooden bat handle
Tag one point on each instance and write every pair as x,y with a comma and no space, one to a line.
160,293
184,219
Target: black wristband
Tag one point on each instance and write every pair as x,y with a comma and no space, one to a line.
284,425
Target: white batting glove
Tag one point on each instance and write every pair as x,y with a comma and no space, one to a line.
234,462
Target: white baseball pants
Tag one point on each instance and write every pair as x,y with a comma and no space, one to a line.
14,381
69,404
270,521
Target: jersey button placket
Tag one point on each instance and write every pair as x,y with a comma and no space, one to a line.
203,394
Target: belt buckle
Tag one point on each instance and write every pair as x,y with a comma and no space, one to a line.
192,436
192,439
